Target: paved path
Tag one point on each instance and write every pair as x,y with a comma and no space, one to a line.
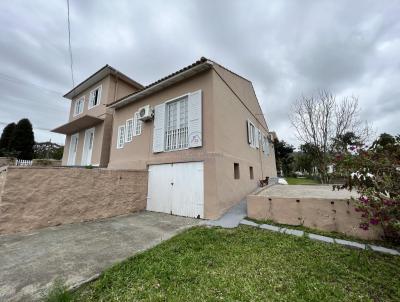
30,262
231,218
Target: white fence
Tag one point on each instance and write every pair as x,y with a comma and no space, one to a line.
23,162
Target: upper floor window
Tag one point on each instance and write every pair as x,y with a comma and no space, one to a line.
129,130
176,134
137,125
121,137
78,109
252,133
94,97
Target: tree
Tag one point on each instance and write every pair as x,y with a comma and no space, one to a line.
375,174
22,140
6,138
283,158
319,120
305,159
47,150
343,141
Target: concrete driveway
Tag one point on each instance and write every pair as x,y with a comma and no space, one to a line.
30,262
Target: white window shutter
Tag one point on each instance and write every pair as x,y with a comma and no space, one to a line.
159,132
266,146
91,99
257,138
195,120
248,132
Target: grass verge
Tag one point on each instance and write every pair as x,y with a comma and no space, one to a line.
247,264
301,181
327,233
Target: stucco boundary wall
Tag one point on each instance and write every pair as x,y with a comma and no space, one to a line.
326,214
38,197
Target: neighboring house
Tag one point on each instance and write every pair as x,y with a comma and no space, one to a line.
89,128
200,132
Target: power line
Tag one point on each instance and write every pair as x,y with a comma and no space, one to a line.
69,48
15,80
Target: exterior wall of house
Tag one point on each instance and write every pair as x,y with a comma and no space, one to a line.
98,146
98,110
224,139
35,197
112,89
230,127
138,154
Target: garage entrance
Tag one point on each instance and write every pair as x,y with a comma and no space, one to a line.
176,189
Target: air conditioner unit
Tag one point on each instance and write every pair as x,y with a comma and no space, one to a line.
145,113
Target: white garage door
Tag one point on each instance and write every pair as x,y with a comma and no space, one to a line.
176,189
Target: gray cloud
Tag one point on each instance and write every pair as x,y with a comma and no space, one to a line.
286,48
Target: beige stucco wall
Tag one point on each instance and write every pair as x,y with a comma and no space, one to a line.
40,197
224,140
231,138
112,89
98,146
337,215
5,161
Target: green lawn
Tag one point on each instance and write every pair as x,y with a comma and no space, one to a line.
248,264
301,181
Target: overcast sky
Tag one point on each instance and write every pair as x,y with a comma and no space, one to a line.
286,48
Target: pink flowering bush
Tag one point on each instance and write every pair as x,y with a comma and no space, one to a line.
375,173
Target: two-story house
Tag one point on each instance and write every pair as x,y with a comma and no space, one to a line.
89,128
200,133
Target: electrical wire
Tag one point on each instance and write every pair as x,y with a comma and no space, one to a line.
15,80
70,48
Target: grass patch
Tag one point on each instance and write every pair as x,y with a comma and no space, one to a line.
327,233
301,181
247,264
57,293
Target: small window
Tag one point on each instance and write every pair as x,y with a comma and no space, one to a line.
121,137
137,125
236,171
251,173
129,130
95,97
79,106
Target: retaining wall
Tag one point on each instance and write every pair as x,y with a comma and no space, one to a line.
37,197
326,214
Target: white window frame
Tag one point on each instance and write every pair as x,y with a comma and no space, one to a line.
253,134
129,130
90,104
79,103
121,137
137,124
166,103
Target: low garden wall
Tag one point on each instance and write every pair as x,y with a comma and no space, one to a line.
318,212
6,161
37,197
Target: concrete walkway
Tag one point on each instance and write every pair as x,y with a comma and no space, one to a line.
30,262
232,218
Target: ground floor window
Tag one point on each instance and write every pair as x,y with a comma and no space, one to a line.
236,171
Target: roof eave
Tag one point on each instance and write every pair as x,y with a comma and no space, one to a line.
98,76
161,85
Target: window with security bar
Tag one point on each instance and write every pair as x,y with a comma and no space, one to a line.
176,134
